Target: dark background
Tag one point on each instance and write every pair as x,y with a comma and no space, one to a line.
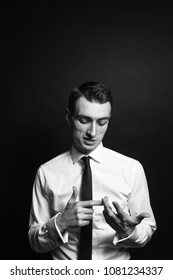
48,49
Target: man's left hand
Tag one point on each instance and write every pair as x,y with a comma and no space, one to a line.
121,222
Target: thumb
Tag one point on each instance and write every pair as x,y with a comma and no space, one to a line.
142,216
73,196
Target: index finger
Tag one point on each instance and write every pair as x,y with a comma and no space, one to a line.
90,203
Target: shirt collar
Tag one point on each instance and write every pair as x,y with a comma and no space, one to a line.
96,155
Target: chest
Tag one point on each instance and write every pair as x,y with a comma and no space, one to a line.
111,181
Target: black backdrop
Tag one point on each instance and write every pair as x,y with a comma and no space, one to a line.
47,50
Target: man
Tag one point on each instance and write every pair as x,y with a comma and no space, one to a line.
119,210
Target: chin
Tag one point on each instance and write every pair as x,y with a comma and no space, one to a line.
86,149
89,149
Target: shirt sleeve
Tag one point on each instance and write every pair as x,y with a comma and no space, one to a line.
138,202
43,233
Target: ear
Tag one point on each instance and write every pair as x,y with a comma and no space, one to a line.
68,116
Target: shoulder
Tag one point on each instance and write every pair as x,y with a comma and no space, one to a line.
119,158
125,164
56,163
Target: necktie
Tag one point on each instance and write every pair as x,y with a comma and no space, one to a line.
85,249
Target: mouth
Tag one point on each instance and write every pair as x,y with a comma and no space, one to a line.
89,141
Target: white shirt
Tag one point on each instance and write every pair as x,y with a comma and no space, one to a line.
120,178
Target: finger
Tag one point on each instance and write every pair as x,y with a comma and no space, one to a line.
73,196
85,223
119,210
107,206
87,210
110,217
87,217
142,216
105,214
90,203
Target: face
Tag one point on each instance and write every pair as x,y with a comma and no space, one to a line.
89,123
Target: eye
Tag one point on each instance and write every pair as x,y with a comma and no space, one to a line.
83,120
103,122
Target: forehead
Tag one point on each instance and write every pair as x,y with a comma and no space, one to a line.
92,109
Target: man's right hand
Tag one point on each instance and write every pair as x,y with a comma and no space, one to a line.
76,213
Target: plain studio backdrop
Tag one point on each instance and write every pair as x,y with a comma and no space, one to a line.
49,49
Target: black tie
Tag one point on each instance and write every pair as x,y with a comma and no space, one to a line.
85,249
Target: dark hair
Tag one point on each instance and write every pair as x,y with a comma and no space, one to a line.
93,92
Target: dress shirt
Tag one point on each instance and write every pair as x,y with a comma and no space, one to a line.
119,177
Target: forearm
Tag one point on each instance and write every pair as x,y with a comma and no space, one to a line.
46,237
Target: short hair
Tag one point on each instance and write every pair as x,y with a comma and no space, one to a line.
93,92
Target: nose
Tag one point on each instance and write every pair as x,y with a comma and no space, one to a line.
92,130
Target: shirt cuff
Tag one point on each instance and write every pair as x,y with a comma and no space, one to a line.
63,237
133,237
125,238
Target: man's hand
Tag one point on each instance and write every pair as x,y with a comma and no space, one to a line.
76,213
121,222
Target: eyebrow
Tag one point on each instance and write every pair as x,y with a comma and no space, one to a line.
89,118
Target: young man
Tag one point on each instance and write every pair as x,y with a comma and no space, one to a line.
118,211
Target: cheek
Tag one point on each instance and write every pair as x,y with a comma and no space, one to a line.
78,131
102,131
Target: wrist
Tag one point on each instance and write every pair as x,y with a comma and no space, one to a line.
60,223
126,233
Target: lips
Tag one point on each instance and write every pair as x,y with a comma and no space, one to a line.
90,141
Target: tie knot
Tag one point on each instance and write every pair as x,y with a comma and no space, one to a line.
86,160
